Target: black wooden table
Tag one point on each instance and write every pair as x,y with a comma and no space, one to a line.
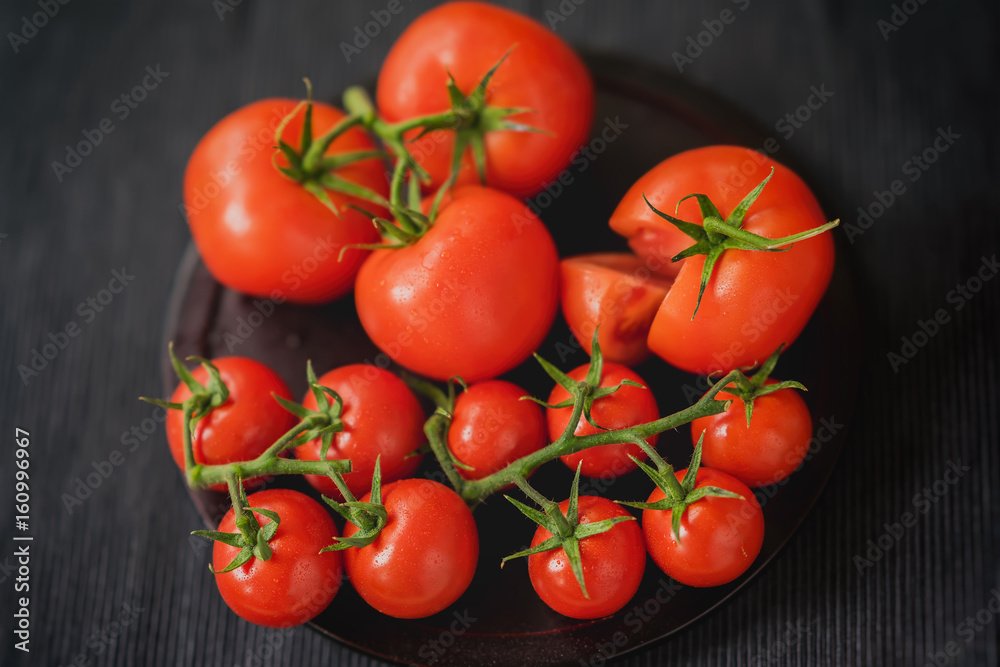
896,565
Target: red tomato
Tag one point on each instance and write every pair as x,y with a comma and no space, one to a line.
617,292
613,564
381,417
755,300
626,407
297,582
240,429
492,426
541,74
424,558
767,451
720,537
473,297
262,233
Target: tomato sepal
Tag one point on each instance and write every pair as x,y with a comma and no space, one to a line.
566,529
755,386
716,234
252,539
370,517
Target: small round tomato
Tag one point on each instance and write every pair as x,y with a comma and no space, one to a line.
381,417
491,427
720,537
298,581
626,407
768,450
240,429
613,563
424,558
472,298
541,74
262,233
754,300
617,292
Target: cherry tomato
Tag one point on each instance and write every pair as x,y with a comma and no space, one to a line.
754,300
618,293
424,558
262,233
768,450
381,417
492,426
472,298
541,73
626,407
613,564
720,537
297,582
240,429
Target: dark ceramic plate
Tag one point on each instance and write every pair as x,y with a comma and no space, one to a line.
500,620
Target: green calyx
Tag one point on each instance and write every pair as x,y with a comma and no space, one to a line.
324,422
566,529
588,390
716,234
251,538
678,495
317,172
370,517
755,386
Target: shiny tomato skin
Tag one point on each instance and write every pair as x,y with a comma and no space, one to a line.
720,537
613,564
769,450
425,557
263,234
628,406
755,300
541,73
492,426
297,582
616,292
472,298
240,429
381,417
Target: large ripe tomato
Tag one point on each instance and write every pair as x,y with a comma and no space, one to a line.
262,233
473,297
613,564
240,429
769,449
720,537
541,74
626,407
297,582
616,292
492,426
424,558
381,417
755,300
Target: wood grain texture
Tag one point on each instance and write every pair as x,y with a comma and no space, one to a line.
127,543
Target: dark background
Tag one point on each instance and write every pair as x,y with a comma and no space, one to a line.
127,543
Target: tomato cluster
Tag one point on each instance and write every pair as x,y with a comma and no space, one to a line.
457,280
